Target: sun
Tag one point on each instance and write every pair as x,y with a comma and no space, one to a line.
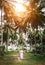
20,7
21,11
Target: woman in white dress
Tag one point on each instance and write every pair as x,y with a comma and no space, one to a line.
21,54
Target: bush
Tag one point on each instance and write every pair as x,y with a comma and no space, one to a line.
38,49
2,50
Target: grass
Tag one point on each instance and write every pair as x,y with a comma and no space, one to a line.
29,59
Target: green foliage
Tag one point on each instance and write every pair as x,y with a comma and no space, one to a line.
39,49
42,17
43,37
13,36
5,36
2,50
38,36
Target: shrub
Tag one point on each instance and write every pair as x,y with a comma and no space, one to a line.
2,50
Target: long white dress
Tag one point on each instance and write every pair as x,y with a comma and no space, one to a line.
21,54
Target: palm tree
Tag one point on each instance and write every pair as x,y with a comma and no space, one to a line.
3,5
1,22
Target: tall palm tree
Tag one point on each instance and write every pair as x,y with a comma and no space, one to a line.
1,21
4,4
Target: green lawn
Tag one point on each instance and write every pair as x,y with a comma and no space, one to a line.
11,58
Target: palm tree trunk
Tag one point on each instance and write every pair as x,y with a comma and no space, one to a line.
35,43
31,45
1,28
41,38
7,42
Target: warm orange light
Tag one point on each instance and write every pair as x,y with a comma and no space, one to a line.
21,10
20,7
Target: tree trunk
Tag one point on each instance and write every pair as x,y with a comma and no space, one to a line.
1,29
7,42
35,43
31,45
